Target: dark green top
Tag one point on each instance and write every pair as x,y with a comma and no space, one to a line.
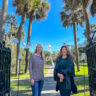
64,66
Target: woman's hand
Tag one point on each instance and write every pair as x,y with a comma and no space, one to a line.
32,82
61,76
61,80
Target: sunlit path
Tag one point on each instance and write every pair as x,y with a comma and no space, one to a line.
49,85
48,89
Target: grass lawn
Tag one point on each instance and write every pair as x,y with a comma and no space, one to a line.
24,75
80,84
25,89
83,71
80,87
78,74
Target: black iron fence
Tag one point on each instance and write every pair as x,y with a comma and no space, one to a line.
5,61
91,59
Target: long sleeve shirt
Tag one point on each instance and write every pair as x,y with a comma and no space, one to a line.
36,67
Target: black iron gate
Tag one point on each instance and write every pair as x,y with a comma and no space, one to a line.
91,59
5,61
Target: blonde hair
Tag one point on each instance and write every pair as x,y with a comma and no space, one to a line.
41,51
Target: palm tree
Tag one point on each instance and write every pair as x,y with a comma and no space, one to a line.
3,18
22,9
11,22
38,12
92,29
13,34
72,17
93,8
84,5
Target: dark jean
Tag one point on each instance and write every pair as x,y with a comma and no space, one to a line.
37,88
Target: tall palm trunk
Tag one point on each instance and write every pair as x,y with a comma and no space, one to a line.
19,38
86,19
76,47
2,19
28,40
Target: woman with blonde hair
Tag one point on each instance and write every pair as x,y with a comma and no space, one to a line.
36,66
64,69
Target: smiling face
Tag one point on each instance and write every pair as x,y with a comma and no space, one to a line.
38,49
64,51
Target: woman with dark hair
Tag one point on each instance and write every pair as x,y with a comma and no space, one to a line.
64,69
36,66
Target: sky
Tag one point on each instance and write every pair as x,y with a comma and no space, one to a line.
50,30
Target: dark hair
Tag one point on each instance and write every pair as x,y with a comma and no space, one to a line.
41,51
68,53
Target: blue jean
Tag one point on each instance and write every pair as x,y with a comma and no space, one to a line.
37,88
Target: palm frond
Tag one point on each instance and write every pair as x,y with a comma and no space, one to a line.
69,15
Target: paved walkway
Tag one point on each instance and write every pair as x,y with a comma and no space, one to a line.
49,85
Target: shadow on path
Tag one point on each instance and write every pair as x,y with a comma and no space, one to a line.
49,88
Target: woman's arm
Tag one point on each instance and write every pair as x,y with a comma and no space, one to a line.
69,69
30,70
57,76
30,67
55,72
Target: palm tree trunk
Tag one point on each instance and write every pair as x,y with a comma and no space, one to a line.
86,20
28,40
2,19
19,38
76,47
